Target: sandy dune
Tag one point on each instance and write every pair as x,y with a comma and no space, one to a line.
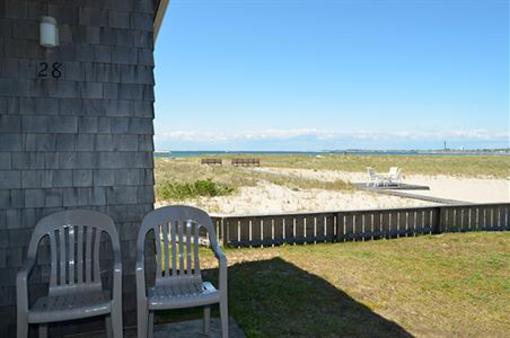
270,198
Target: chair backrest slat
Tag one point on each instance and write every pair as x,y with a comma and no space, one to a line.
54,253
88,256
97,242
166,269
189,225
177,228
71,259
79,255
63,257
174,248
181,248
196,244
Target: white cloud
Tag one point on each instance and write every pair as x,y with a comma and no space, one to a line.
288,134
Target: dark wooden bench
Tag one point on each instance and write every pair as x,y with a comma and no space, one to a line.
246,162
211,161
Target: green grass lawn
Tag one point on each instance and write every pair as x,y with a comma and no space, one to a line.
444,285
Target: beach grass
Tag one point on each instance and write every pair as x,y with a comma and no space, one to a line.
182,190
430,286
187,178
467,166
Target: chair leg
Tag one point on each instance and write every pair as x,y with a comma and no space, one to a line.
108,326
207,320
224,318
116,321
150,334
21,326
143,321
43,330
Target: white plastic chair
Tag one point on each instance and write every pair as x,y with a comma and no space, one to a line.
178,279
75,287
394,175
374,179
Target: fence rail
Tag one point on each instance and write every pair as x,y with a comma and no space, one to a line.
277,229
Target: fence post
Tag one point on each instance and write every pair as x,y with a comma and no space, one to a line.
437,226
222,225
340,237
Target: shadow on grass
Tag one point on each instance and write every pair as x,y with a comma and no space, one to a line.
274,298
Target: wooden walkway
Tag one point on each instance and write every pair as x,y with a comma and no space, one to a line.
432,199
399,191
400,186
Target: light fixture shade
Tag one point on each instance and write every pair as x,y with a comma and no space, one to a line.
48,32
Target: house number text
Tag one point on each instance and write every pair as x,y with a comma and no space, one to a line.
46,70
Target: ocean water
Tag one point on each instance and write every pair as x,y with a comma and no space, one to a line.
181,154
231,153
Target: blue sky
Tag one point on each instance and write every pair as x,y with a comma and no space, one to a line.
318,75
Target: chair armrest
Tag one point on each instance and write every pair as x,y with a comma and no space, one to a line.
25,270
21,283
117,262
140,263
117,272
117,283
140,275
223,264
218,253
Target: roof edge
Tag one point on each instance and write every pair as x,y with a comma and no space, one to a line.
160,15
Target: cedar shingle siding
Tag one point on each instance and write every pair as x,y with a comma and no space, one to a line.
83,140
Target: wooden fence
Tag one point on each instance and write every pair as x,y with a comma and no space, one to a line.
246,162
211,161
299,228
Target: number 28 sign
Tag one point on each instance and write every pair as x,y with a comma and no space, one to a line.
46,70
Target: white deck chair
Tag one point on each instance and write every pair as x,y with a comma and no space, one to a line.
75,287
394,175
374,179
178,279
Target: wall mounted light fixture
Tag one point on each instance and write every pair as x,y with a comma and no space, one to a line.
48,32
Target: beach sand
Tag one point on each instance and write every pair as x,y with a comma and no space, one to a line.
466,189
268,198
474,190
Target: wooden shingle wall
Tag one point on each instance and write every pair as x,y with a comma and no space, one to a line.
78,138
